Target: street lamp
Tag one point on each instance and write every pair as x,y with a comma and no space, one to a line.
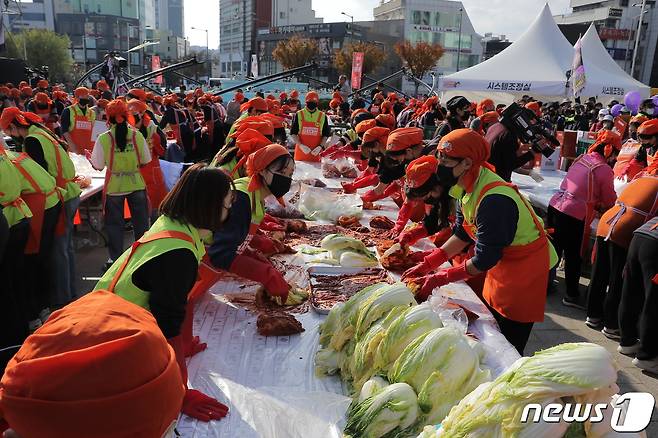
628,44
459,41
637,36
207,52
351,27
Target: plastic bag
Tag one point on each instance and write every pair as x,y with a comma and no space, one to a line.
320,204
449,315
341,168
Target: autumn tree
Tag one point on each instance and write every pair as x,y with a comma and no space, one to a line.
419,58
373,57
295,52
43,47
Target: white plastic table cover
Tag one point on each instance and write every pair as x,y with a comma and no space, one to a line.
269,383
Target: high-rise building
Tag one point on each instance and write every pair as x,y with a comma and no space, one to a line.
170,14
293,12
21,15
436,21
617,24
493,45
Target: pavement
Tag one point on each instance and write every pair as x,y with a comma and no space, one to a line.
561,324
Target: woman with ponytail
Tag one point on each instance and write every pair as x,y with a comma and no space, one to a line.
123,150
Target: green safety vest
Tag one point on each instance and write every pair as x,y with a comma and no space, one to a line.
526,231
234,126
60,165
75,110
14,208
255,198
304,115
125,287
123,167
45,182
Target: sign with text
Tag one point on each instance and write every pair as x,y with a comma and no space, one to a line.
155,65
357,70
608,33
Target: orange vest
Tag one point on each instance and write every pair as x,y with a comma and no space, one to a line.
637,204
626,155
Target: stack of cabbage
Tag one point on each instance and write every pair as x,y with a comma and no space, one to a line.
406,369
344,251
579,373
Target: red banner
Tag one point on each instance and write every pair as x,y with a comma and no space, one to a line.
608,33
155,65
357,70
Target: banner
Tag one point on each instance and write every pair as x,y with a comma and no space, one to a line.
357,70
155,65
577,70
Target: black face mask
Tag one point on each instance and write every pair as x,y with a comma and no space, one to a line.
42,105
312,105
447,179
83,102
280,185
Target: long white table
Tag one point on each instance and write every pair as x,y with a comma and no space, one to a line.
269,383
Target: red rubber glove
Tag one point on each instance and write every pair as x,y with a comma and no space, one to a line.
198,405
441,278
393,190
266,245
262,272
348,188
403,218
418,256
409,237
271,226
366,181
431,262
195,347
330,150
441,237
371,196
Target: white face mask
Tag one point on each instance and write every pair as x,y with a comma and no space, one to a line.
649,111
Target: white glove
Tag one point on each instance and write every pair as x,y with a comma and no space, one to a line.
315,152
304,148
537,177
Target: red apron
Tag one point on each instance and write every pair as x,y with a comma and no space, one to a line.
626,155
310,135
81,131
37,203
516,286
156,188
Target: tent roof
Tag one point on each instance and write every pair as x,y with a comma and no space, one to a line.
603,76
535,64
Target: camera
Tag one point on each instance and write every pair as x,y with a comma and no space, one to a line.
527,127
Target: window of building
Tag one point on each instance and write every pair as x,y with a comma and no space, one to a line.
623,3
415,17
425,20
451,40
282,15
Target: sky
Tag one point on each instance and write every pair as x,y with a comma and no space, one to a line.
508,17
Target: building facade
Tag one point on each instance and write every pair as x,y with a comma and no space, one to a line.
330,38
38,14
170,15
493,45
436,21
617,24
293,12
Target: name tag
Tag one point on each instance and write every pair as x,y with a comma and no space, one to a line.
83,125
310,131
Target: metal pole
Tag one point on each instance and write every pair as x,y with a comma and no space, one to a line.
459,41
628,47
84,43
130,61
244,36
208,60
637,37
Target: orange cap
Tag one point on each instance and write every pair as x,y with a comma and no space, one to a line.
392,97
117,110
387,120
22,84
158,99
260,124
257,103
485,105
137,93
239,97
337,95
137,106
334,103
102,85
610,139
378,133
81,92
277,122
363,126
294,94
650,127
42,84
15,92
378,96
149,96
283,96
270,97
489,117
27,91
259,160
100,354
404,138
95,93
639,119
11,115
312,96
420,170
466,143
41,97
198,92
102,103
534,107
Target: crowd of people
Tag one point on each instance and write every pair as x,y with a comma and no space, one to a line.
447,165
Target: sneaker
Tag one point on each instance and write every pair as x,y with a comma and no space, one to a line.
572,302
34,325
44,315
650,366
594,323
629,350
611,333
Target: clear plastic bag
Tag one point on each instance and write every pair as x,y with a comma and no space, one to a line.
323,205
341,168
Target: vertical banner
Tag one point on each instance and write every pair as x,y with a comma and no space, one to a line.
155,65
254,65
357,70
577,70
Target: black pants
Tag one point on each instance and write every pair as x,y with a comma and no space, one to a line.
39,287
567,239
606,272
516,333
13,319
638,310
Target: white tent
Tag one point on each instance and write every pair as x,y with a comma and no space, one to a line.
604,78
535,64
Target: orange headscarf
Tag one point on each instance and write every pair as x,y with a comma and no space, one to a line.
257,103
277,122
420,170
334,103
484,106
10,115
248,142
117,110
378,133
258,123
387,120
404,138
466,143
611,139
259,160
100,354
362,127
